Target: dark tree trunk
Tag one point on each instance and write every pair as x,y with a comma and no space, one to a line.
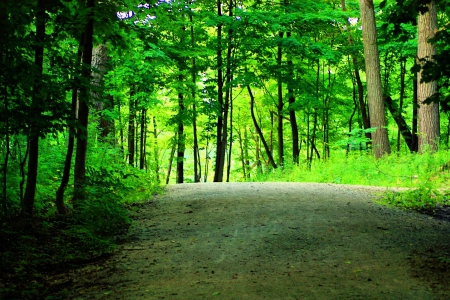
37,99
415,137
181,139
218,173
83,110
280,104
142,141
362,104
131,128
258,129
197,164
172,155
401,123
71,142
156,150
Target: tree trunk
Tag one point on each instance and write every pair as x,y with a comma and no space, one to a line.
59,201
83,109
218,173
131,129
142,140
362,104
258,129
415,138
181,139
374,90
36,103
156,150
428,114
172,154
292,117
402,97
401,123
280,103
197,164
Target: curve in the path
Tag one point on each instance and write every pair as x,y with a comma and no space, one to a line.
271,241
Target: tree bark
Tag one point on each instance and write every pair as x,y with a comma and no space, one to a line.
401,123
218,173
428,114
280,103
131,128
258,129
36,102
380,140
181,139
362,104
83,109
59,201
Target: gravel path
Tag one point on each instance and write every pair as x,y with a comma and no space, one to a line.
273,241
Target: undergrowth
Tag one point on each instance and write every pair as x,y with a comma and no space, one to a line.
32,249
425,175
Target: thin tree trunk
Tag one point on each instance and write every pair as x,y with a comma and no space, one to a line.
401,123
374,90
280,104
402,96
181,139
428,114
37,98
218,174
156,150
59,201
247,157
197,164
415,137
131,127
230,147
258,129
362,104
142,142
172,155
83,110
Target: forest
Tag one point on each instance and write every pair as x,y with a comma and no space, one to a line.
102,103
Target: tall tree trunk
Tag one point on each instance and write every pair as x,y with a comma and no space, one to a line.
401,123
181,139
59,201
156,150
100,61
172,155
280,103
292,117
428,114
83,109
36,102
197,163
374,90
142,142
258,129
218,173
415,137
362,104
230,147
131,127
402,97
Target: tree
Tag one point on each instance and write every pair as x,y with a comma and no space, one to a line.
428,112
83,110
36,111
374,90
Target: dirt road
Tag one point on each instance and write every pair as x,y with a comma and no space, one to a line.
273,241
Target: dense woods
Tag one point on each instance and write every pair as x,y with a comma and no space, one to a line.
103,101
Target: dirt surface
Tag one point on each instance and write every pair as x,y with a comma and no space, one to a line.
272,241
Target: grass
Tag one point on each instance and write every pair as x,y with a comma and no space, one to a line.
406,170
426,175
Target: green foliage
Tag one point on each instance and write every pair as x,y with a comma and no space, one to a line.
424,197
360,168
